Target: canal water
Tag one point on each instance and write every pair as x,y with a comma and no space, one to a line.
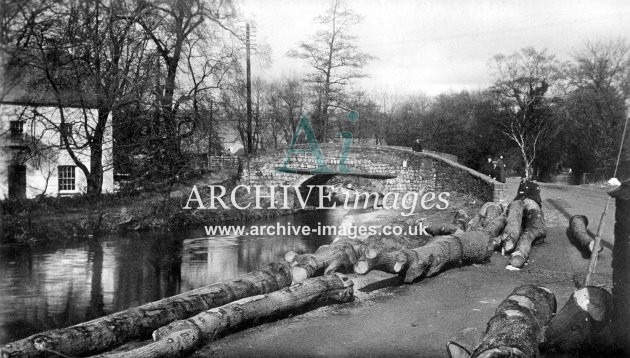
52,287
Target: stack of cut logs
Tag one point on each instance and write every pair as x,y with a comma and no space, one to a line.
182,323
467,240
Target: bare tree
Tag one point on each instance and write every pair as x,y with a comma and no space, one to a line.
524,83
599,83
335,58
387,102
85,53
174,26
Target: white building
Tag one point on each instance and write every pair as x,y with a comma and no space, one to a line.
33,159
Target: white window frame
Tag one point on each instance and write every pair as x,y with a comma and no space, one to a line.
66,177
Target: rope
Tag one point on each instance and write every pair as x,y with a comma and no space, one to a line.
592,263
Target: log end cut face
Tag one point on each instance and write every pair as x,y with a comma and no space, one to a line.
585,314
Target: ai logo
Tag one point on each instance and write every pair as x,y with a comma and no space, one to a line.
305,126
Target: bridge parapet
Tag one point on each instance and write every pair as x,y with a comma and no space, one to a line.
413,171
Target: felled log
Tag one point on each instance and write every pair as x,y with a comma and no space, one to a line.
110,331
535,230
383,254
442,229
493,210
387,253
341,254
463,343
585,314
181,337
517,326
462,222
579,236
514,225
475,221
416,259
495,227
486,214
460,219
443,251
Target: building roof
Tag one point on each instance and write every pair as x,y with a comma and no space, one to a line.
25,83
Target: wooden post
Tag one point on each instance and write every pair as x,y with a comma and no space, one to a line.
250,137
621,266
621,250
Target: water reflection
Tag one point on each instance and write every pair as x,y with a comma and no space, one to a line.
45,288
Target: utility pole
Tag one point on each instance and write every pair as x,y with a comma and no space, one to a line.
621,249
250,141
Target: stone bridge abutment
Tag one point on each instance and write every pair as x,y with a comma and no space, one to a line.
409,171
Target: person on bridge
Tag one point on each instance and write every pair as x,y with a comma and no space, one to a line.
530,190
487,167
417,146
500,161
498,172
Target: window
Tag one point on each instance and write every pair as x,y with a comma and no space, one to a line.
66,177
17,128
65,128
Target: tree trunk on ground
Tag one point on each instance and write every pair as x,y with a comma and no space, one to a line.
341,254
383,252
492,211
621,261
496,226
578,234
461,222
516,328
486,214
585,314
460,219
443,251
348,255
110,331
395,254
463,343
444,229
514,226
184,336
535,230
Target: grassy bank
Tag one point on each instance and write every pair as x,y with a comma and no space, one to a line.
68,219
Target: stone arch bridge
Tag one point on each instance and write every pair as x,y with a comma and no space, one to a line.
402,170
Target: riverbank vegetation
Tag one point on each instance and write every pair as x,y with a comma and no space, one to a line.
73,218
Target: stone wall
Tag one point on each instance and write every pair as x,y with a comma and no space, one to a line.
413,171
219,162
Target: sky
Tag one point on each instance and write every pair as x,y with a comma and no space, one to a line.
436,46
